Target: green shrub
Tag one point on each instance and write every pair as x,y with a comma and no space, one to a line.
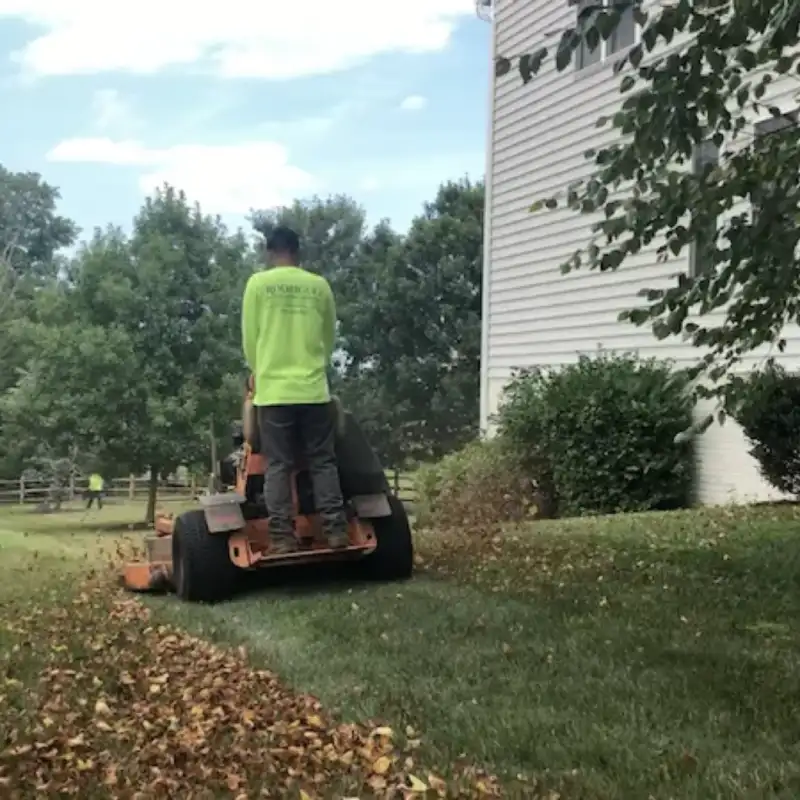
480,484
600,433
768,409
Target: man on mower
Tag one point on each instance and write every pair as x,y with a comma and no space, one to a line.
288,334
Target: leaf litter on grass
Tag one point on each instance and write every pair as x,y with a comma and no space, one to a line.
125,708
551,555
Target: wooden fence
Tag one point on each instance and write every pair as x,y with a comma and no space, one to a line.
120,489
402,484
13,492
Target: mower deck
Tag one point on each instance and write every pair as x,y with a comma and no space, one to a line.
249,549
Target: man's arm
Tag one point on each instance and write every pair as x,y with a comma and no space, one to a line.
329,329
250,323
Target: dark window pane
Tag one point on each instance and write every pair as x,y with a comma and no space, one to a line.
701,250
766,199
625,33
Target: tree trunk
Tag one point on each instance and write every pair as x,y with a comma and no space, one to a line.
152,494
212,475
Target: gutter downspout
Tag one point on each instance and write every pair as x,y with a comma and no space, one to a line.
487,241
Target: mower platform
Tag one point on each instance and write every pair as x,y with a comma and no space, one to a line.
201,554
242,544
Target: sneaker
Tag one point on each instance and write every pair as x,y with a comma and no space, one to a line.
338,541
281,545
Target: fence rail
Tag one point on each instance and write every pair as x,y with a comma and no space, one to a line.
21,491
18,492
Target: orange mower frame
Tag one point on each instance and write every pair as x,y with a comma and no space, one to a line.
201,554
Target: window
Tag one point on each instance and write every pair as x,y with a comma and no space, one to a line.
766,198
706,155
622,38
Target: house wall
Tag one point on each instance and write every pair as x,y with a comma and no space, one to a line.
533,314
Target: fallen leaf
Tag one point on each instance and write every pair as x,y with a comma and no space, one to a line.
101,707
381,766
416,785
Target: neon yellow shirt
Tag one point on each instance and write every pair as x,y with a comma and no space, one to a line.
95,483
288,335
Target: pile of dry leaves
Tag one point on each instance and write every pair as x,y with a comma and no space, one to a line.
128,709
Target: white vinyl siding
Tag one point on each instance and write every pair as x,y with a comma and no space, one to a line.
534,315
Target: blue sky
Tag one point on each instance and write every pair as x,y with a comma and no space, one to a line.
242,107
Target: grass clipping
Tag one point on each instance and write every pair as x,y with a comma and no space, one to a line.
128,709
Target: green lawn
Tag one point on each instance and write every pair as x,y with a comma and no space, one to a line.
639,656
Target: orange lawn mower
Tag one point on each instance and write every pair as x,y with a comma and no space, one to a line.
201,554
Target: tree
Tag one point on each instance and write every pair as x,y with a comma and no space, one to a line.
141,374
414,347
76,395
640,191
31,230
31,236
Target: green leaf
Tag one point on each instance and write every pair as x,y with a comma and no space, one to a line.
742,96
563,57
502,66
746,58
529,65
606,24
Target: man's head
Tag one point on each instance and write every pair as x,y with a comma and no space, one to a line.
283,247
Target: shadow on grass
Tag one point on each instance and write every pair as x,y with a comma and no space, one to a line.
303,580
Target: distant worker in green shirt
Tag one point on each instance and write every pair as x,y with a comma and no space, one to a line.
96,485
288,334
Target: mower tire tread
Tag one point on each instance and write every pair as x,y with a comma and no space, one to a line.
203,570
393,558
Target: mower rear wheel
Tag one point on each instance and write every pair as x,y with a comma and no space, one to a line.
202,569
393,558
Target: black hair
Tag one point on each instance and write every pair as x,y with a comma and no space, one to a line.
283,240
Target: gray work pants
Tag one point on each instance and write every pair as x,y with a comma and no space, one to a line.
307,431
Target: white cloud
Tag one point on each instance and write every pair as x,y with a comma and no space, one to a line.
414,102
224,179
110,112
240,39
369,184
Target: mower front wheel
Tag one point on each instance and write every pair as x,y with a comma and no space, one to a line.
393,558
202,570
